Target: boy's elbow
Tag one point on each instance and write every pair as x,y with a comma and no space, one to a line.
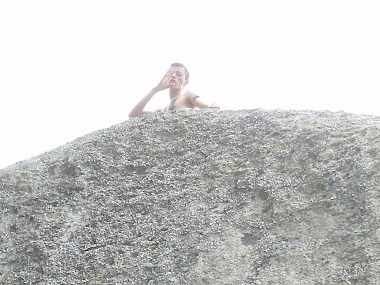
132,115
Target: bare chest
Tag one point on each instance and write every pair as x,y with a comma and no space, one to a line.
178,103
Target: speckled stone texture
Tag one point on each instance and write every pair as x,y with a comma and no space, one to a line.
199,197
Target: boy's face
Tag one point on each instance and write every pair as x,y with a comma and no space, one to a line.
177,78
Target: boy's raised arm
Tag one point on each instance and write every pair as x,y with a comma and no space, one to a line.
138,110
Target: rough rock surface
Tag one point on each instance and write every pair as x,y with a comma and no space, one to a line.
199,197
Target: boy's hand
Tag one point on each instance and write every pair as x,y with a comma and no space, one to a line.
164,83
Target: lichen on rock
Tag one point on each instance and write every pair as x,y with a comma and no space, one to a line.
199,197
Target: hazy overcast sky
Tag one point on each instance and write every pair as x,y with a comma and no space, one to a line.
68,68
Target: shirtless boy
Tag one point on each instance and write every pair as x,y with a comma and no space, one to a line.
175,79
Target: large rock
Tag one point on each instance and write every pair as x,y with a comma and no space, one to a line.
199,197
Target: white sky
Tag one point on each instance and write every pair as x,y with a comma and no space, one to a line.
68,68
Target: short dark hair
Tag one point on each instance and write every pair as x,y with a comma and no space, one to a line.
187,75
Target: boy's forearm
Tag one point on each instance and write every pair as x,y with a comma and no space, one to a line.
138,109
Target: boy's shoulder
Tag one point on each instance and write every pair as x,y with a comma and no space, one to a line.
190,95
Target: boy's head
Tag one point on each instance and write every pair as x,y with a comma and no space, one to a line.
187,75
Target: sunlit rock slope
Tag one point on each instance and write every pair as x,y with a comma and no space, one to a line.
199,197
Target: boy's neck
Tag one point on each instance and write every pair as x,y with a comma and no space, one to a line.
174,93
